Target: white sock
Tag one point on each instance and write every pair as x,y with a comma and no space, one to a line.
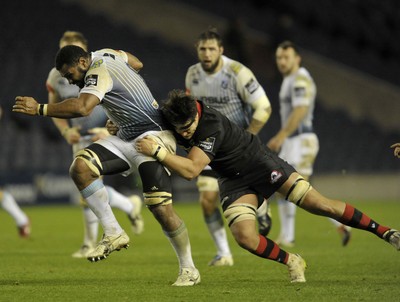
287,215
337,224
119,201
180,242
91,227
97,198
11,207
215,226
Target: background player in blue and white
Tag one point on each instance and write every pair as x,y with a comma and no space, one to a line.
106,78
231,88
80,133
296,141
10,205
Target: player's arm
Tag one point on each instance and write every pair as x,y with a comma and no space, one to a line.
252,93
69,108
71,134
134,62
188,167
293,122
262,112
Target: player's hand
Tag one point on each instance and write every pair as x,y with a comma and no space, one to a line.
275,143
72,135
26,105
146,145
99,133
396,150
111,127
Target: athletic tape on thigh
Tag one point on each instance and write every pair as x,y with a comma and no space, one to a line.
207,183
239,212
91,159
298,191
157,198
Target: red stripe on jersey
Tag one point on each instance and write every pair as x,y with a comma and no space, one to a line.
199,109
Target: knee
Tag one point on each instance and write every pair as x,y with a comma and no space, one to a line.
78,168
208,203
246,239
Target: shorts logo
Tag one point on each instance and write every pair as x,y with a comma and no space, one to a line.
252,86
275,175
208,144
91,80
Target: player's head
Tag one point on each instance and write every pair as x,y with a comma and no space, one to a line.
74,38
287,58
180,110
209,50
73,62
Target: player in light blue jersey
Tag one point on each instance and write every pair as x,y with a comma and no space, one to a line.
107,78
296,141
80,133
231,88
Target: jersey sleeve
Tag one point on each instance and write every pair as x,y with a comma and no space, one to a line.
97,80
51,81
301,91
247,85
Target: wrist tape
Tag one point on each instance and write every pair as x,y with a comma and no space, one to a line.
159,152
42,109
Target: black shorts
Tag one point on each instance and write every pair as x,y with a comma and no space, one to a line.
262,177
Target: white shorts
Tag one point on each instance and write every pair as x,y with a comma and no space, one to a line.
126,149
300,151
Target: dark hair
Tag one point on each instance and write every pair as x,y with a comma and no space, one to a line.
289,44
179,107
210,34
69,55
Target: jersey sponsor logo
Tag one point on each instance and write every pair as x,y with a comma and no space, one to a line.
91,80
109,55
208,144
252,86
224,84
214,100
300,91
275,175
96,64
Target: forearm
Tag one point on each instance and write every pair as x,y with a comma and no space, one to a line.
66,109
61,124
181,165
294,121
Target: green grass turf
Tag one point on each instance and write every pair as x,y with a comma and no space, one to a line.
41,268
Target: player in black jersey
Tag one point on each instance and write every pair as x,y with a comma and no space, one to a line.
249,172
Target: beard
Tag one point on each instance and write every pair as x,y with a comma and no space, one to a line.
81,83
211,68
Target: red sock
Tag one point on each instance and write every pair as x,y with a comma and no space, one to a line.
270,250
356,219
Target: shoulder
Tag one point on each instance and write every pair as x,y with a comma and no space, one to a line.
232,66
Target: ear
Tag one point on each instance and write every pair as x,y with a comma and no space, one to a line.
83,61
221,50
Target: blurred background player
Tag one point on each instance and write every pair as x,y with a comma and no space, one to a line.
231,88
9,204
296,141
80,133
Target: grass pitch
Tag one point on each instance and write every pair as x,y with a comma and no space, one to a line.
42,269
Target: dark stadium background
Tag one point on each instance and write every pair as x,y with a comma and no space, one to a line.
357,113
